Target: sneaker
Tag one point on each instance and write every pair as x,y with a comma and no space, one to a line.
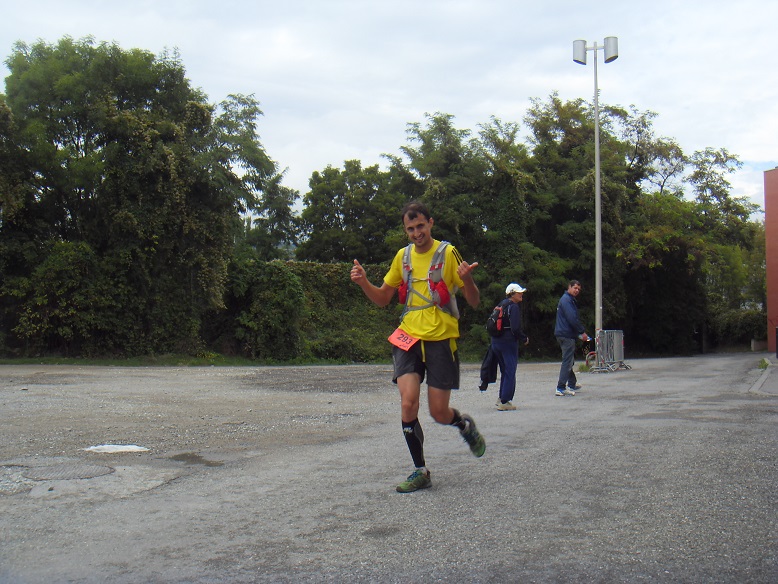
564,392
505,407
482,387
473,437
418,479
577,386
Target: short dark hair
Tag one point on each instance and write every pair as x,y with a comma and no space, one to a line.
572,283
413,210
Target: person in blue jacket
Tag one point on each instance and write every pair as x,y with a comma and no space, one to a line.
567,329
506,346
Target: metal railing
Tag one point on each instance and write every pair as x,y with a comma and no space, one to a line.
608,355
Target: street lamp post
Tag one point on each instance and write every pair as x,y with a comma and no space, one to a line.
611,50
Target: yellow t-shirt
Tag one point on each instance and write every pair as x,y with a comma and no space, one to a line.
428,324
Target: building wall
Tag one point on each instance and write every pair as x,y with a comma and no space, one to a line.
771,250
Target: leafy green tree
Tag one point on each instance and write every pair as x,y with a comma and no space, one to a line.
271,231
124,157
726,217
19,224
450,165
14,194
561,138
347,215
513,209
510,204
665,283
756,270
667,163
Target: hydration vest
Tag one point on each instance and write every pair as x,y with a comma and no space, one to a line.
438,293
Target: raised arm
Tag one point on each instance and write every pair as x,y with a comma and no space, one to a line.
470,290
380,296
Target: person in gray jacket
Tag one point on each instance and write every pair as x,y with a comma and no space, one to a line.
567,329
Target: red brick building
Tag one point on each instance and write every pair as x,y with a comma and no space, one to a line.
771,251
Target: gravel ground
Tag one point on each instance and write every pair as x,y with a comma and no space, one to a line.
663,473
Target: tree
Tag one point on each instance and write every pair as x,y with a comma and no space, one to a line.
561,138
125,159
667,163
725,216
348,214
450,165
270,232
664,265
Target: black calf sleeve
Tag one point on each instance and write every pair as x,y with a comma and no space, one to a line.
414,437
457,420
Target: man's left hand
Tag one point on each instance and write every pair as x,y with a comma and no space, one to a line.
464,270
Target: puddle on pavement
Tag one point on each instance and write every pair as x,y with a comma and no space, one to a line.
193,458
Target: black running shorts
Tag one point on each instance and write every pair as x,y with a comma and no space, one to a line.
433,358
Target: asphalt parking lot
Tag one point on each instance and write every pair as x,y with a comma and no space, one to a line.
663,473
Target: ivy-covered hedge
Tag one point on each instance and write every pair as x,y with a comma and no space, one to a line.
280,311
307,311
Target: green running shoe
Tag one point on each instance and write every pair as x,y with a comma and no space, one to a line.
418,479
473,437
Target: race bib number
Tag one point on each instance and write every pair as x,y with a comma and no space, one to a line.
399,338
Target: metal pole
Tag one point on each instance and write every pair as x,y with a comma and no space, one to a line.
597,207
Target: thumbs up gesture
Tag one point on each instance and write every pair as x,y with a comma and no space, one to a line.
357,272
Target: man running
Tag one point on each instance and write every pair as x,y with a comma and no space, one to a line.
425,341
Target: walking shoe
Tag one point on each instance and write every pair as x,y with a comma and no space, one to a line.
482,387
564,392
418,479
577,386
505,407
473,437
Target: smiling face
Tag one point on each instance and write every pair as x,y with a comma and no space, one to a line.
418,230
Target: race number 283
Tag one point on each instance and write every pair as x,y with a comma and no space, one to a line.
399,338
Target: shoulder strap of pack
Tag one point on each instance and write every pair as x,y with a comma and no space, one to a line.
407,267
444,298
438,260
408,279
434,279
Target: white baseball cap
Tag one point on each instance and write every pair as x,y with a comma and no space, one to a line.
513,287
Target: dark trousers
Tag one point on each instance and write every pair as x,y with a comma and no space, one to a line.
566,373
507,351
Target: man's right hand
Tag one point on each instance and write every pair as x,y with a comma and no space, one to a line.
358,273
380,296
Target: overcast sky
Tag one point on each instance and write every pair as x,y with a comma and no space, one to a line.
341,79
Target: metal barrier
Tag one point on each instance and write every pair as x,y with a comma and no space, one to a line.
609,347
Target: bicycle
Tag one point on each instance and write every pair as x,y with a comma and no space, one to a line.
590,355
